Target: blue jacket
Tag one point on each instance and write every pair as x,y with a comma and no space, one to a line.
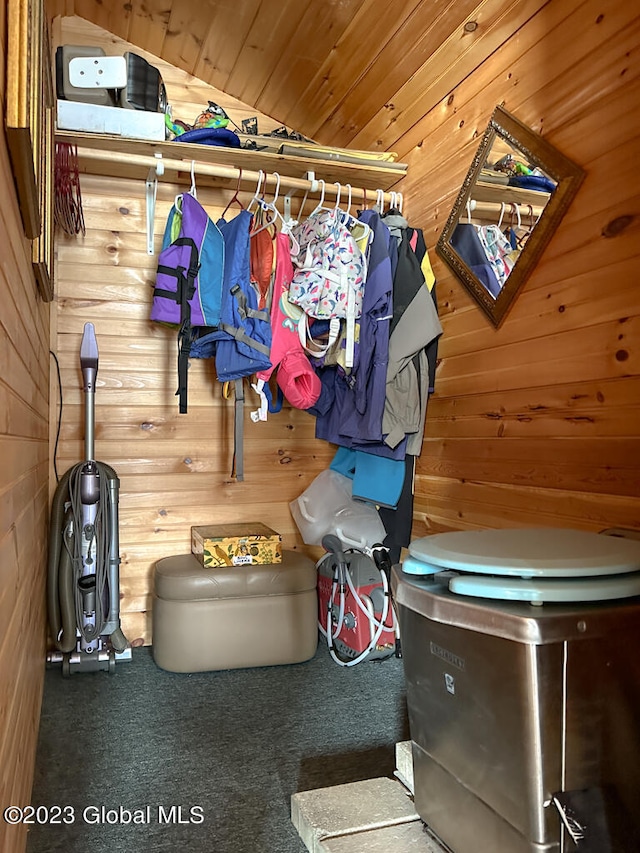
242,341
467,244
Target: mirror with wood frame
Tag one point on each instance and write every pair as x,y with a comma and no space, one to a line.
511,202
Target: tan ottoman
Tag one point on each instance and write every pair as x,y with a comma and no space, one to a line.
230,618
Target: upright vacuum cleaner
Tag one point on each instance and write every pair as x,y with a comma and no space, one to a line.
83,581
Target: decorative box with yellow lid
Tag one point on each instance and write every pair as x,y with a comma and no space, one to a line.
239,544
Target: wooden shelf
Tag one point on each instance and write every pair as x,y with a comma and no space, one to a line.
131,158
498,193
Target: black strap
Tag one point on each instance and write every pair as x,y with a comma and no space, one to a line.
184,349
186,288
184,292
179,273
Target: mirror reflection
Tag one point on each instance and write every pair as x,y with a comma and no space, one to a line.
511,202
502,210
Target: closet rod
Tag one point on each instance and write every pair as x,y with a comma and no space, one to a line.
492,210
231,173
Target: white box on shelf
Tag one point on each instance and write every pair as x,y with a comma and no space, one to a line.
94,118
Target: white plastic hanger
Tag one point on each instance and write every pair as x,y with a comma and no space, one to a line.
313,187
256,195
177,203
338,194
503,207
285,224
471,205
349,220
348,186
319,207
269,207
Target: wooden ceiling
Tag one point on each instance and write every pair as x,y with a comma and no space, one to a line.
343,72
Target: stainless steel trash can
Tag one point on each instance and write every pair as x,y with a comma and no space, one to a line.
511,703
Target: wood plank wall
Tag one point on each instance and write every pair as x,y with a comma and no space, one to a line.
24,418
538,423
174,469
535,423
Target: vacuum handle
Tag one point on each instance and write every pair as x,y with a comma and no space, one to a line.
332,544
89,365
89,357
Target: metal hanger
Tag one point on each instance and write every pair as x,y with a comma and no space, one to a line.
234,198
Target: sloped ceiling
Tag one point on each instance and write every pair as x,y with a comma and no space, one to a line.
344,72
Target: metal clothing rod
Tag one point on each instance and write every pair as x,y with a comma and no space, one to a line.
231,173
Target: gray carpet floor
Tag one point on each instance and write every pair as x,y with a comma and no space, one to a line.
226,749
